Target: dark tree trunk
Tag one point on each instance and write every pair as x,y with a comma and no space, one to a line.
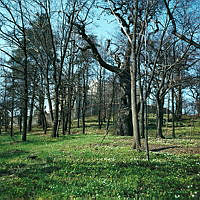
124,121
173,115
84,107
179,104
146,130
63,107
56,114
11,118
70,116
160,104
110,106
44,123
100,90
79,111
12,110
85,81
20,122
31,111
25,109
142,119
79,98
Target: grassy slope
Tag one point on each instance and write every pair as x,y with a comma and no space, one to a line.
80,167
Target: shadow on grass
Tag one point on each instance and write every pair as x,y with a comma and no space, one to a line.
13,153
164,148
86,176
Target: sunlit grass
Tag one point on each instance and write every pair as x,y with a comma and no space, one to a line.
92,166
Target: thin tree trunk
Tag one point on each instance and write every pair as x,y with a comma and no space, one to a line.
100,99
56,114
146,131
142,118
20,121
84,108
78,111
12,117
179,103
173,115
63,114
70,116
31,110
12,110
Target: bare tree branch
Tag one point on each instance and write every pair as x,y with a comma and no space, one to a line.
180,36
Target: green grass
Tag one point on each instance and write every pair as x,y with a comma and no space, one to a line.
81,167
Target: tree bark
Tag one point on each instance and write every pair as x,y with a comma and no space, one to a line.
179,104
173,114
160,103
124,120
56,114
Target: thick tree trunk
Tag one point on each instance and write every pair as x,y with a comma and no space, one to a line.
124,118
135,120
160,103
44,123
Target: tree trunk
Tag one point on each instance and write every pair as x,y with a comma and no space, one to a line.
25,109
69,117
173,115
11,118
179,104
142,119
63,107
124,118
79,111
134,107
31,111
100,90
56,114
84,104
20,122
146,130
12,110
44,123
48,94
160,103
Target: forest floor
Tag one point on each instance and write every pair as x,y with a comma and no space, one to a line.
93,166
